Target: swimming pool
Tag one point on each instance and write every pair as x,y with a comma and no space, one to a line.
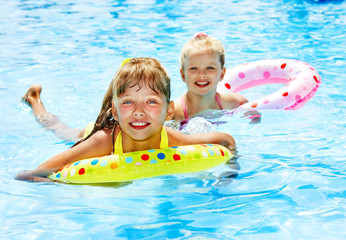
291,182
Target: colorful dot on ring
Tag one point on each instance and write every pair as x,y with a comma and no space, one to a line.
114,165
161,156
176,157
241,75
103,163
266,74
69,165
204,154
183,151
153,161
129,160
94,162
85,161
211,152
81,171
227,86
72,172
145,157
190,148
222,153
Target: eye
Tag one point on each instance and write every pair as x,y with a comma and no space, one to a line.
210,68
126,102
193,68
152,102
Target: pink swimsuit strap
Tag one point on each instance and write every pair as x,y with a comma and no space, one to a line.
184,105
218,101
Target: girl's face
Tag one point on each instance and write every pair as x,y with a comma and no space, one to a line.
141,113
202,71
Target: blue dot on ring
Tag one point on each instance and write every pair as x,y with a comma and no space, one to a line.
103,163
153,161
128,160
151,150
161,156
94,162
183,151
76,163
58,175
211,152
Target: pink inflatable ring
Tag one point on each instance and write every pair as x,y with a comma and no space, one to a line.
300,79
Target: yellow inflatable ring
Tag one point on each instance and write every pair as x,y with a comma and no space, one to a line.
143,164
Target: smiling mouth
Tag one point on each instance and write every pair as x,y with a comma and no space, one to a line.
202,84
139,125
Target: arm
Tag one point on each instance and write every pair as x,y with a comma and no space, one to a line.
235,100
178,110
100,144
177,138
232,100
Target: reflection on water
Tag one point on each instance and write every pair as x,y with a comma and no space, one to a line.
288,180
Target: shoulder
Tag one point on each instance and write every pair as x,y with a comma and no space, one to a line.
232,100
101,139
102,134
99,144
178,110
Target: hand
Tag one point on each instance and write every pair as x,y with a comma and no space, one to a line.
30,176
255,116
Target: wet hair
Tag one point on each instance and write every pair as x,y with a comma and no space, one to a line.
203,41
135,71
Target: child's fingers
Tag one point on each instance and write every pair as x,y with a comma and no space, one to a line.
30,176
254,116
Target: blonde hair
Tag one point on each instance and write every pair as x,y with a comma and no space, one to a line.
203,41
142,71
135,71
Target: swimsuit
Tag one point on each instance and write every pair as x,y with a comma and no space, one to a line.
118,145
185,110
88,129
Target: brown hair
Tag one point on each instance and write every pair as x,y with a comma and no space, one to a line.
135,71
203,41
142,71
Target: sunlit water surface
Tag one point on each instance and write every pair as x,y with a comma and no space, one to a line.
291,181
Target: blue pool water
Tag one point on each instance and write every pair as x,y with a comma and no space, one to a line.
291,183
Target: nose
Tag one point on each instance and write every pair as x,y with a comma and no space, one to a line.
139,112
202,74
